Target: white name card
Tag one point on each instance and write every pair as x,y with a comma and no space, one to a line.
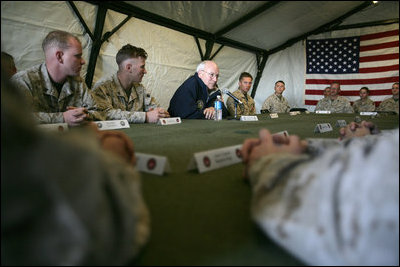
368,113
169,121
152,163
322,128
214,159
294,113
323,112
248,118
274,115
113,124
54,127
341,123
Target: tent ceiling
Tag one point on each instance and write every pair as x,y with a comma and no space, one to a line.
274,26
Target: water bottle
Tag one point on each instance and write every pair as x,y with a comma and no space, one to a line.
218,108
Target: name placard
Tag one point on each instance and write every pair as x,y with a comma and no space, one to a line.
274,115
341,123
113,124
322,128
368,113
248,118
294,113
217,158
323,112
152,163
169,121
54,127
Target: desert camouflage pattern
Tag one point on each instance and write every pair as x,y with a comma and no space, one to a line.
340,207
389,105
276,104
45,101
339,105
113,101
363,106
248,108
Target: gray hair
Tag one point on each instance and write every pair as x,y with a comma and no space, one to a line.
58,39
202,65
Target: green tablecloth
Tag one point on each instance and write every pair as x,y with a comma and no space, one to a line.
204,219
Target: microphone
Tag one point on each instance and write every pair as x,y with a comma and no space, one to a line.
226,91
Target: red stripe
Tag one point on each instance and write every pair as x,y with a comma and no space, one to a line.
379,35
379,69
379,58
379,46
372,92
314,103
354,81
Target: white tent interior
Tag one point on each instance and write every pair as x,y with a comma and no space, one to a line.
264,38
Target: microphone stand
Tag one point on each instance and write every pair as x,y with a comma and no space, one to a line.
235,117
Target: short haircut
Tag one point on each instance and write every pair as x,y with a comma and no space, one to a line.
328,87
245,74
395,83
58,39
365,88
280,82
130,51
335,83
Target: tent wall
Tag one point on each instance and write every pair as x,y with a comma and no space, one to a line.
173,56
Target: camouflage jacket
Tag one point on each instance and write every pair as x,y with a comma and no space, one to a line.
276,105
339,105
389,105
360,106
312,197
248,107
112,100
43,98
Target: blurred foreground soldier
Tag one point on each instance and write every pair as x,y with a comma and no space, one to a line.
339,206
54,89
277,103
65,200
391,104
248,107
8,64
364,103
195,98
122,96
335,103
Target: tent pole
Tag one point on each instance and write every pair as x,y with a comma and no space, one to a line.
260,69
81,19
94,53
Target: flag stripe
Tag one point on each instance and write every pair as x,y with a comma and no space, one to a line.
352,92
354,81
379,46
380,57
378,35
379,69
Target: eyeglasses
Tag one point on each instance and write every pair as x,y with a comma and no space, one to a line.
212,75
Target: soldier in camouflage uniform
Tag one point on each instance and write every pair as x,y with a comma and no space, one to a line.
364,103
66,199
335,103
276,103
54,89
327,92
391,104
122,96
339,206
248,107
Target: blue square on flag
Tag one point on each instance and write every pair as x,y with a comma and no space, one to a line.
333,56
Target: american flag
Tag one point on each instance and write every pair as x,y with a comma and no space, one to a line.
370,59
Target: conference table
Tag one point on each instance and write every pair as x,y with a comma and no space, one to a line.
204,218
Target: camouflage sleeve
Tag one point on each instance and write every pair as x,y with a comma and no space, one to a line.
230,104
327,201
266,104
104,105
40,117
349,108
